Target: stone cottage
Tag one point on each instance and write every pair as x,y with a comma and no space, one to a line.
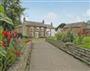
35,29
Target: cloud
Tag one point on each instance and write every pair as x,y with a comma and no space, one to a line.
88,12
50,17
76,19
73,18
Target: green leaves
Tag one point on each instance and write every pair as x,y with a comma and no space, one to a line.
11,56
13,10
2,9
5,19
2,52
10,11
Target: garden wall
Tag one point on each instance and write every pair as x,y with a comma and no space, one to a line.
72,49
24,60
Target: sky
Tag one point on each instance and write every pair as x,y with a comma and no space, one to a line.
57,11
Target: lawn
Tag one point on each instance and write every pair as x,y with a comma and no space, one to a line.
85,42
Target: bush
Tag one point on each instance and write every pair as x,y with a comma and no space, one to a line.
52,38
58,36
68,37
65,37
24,36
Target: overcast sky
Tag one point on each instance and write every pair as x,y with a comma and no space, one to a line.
57,11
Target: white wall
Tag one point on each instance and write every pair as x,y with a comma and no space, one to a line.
53,32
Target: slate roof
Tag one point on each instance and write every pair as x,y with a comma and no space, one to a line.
39,24
31,23
77,24
87,26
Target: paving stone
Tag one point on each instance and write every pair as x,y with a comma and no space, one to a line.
46,57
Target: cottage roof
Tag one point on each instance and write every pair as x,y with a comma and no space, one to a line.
31,23
77,24
87,26
40,24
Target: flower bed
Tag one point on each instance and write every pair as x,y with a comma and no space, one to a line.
24,60
10,48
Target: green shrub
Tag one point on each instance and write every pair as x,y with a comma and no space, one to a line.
68,37
2,59
52,38
59,36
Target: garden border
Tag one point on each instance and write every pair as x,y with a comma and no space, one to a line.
84,57
23,63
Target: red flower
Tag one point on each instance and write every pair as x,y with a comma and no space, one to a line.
4,33
8,35
18,53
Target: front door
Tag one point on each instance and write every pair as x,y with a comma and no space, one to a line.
36,34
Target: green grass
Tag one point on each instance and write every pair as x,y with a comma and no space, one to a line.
85,42
86,39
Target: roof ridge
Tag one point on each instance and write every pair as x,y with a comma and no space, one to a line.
33,22
76,23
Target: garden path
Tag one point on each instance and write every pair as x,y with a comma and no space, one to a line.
46,57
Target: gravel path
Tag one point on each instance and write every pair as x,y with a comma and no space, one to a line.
46,57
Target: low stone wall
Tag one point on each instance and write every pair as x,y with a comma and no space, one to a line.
22,63
74,50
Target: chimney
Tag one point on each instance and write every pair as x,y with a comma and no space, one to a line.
51,24
24,19
43,21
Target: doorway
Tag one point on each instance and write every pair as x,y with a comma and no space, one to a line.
36,34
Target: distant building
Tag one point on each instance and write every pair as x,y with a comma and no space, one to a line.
74,27
35,29
78,27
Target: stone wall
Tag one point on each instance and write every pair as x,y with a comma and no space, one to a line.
74,50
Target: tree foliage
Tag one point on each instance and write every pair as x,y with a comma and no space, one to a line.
60,26
5,21
1,9
13,10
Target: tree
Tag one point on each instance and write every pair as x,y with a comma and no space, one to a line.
4,20
60,26
13,10
1,9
